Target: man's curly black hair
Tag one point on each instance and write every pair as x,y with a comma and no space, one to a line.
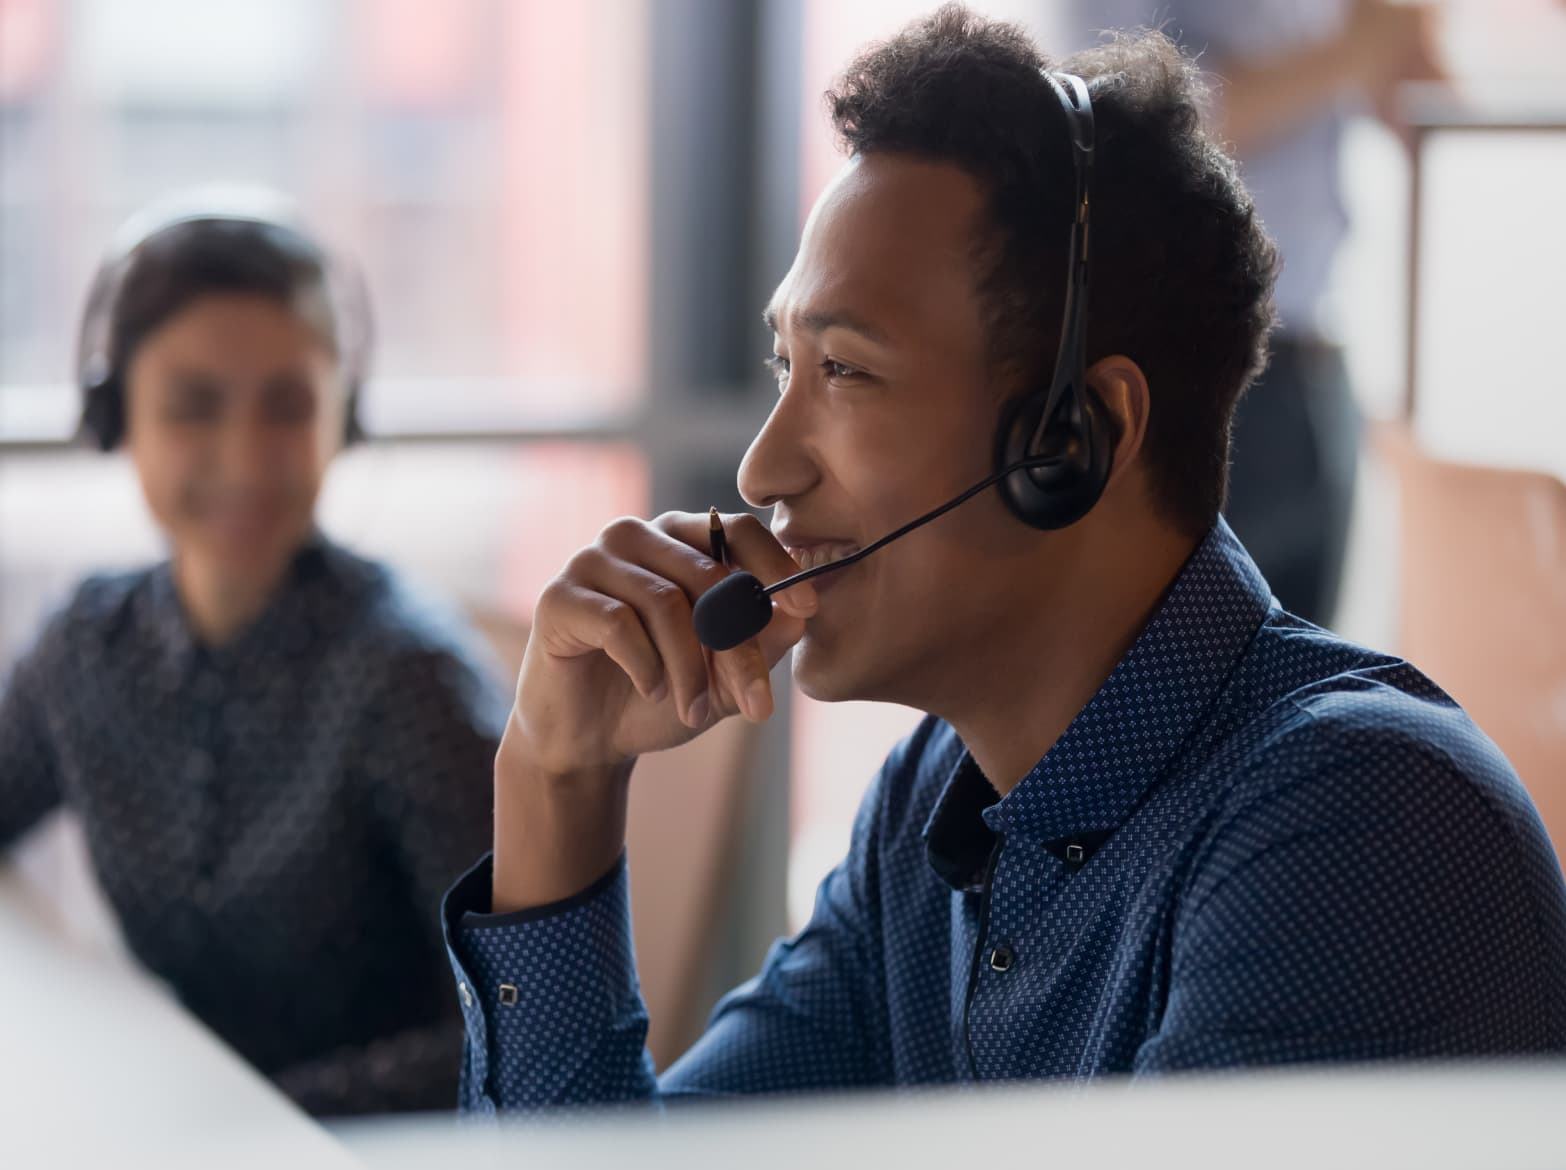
1182,271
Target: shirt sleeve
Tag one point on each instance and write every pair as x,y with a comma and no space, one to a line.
553,1008
555,1015
1378,903
29,774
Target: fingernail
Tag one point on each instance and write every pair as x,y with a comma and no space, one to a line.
758,699
700,708
659,692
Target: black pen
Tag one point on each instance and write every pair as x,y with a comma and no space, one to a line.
717,540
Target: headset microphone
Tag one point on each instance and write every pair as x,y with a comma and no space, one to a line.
734,610
739,607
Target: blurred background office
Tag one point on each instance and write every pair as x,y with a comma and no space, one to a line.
570,214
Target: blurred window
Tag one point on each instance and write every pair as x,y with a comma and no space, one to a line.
1492,244
483,161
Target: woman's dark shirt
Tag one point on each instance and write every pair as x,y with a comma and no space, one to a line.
274,821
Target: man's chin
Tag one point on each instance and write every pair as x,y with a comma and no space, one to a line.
826,676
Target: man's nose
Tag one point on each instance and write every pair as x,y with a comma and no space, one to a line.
779,464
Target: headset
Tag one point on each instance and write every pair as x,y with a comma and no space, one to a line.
100,372
1062,430
1053,449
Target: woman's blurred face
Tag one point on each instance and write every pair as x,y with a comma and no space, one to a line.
234,408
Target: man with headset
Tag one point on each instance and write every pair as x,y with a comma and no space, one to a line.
1152,821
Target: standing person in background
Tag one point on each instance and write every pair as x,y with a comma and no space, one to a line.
279,756
1290,73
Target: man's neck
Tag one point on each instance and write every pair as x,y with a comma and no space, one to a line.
1023,694
220,606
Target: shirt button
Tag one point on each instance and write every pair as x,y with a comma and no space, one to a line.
1001,958
467,996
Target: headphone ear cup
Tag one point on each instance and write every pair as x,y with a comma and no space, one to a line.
103,416
1077,445
103,413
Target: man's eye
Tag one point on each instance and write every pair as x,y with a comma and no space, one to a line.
833,370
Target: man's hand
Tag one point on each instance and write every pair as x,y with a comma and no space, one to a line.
613,669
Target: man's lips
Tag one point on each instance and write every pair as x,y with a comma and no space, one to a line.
815,554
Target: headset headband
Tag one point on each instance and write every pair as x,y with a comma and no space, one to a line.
345,288
1071,358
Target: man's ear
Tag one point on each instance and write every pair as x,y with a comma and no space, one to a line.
1122,386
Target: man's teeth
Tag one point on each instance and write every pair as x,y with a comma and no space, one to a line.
824,554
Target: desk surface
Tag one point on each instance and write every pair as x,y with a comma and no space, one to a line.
1402,1119
99,1064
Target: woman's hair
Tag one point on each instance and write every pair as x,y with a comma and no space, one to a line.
140,287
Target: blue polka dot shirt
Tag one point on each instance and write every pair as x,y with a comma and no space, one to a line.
274,821
1256,845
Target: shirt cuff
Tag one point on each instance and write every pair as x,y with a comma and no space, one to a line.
549,996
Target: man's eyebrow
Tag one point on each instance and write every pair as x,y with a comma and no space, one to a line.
820,320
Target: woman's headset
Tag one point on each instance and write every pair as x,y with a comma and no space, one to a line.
1064,424
100,369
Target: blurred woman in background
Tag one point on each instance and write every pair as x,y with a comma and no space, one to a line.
280,758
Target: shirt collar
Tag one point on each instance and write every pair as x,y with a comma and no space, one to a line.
1129,734
165,621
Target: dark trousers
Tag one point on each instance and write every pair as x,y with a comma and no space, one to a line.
1291,480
